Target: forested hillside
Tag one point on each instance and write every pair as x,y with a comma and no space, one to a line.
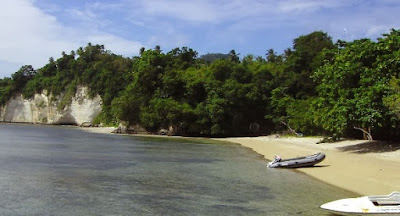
317,87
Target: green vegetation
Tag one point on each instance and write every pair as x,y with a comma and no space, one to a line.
347,89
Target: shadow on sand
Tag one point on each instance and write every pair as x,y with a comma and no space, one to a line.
371,147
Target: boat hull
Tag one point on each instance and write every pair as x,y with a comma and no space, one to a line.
367,205
298,162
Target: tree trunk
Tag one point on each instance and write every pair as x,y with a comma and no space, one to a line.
366,134
290,129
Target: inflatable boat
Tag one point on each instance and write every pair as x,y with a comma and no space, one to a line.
369,205
306,161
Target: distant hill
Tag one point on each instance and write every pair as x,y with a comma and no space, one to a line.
211,57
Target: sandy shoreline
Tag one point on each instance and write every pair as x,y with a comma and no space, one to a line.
355,165
359,166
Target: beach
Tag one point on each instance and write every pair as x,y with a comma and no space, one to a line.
360,166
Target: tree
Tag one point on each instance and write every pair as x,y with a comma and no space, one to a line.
22,76
141,51
353,87
182,58
221,69
158,49
305,58
272,57
392,101
280,101
148,71
232,56
6,90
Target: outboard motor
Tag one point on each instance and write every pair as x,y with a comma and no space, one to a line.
277,158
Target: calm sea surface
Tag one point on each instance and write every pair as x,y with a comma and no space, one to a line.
46,170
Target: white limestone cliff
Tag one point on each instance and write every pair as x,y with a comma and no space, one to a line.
42,109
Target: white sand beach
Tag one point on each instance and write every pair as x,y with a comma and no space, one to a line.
355,165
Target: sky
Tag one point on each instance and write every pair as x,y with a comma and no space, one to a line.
32,31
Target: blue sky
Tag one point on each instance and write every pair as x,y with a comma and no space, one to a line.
35,30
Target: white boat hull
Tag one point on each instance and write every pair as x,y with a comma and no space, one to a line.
370,205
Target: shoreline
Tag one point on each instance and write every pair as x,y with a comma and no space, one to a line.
359,166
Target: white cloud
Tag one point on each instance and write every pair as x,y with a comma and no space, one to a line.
301,6
30,36
211,11
198,11
24,28
195,10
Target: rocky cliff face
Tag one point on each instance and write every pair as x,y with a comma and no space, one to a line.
42,109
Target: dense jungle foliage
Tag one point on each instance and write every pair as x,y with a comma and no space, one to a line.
317,87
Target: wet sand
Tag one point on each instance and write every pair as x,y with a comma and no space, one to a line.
359,166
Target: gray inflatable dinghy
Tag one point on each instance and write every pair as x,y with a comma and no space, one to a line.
306,161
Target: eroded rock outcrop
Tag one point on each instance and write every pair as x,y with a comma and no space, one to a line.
43,109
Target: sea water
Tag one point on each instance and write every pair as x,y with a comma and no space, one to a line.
56,170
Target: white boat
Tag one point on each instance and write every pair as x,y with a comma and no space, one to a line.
370,205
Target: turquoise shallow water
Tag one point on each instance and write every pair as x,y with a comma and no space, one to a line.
46,170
